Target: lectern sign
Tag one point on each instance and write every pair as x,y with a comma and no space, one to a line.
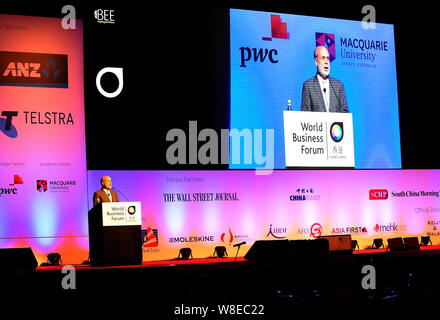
318,139
121,214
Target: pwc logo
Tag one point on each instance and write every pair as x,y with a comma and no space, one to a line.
278,31
33,69
378,194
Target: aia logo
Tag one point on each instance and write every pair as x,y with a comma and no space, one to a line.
33,69
41,185
378,194
327,40
150,238
227,238
278,31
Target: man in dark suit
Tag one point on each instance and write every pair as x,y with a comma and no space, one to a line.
105,194
323,93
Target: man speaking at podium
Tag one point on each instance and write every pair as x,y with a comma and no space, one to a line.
105,194
323,93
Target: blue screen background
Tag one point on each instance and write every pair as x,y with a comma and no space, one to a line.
259,91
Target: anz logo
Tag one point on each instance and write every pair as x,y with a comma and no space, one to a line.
22,70
33,69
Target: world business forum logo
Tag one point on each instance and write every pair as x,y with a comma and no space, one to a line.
337,131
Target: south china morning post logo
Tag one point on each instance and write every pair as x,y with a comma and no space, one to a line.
249,55
44,185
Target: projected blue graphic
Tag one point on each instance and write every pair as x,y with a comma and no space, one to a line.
273,54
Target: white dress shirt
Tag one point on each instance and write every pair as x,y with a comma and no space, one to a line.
109,194
325,84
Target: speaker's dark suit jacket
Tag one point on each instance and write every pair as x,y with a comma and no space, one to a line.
100,196
312,99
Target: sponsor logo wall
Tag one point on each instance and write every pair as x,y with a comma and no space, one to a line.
205,209
42,137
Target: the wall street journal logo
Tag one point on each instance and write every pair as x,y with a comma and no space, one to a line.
33,69
327,40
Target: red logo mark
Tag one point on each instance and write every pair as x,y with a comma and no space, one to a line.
316,230
150,238
378,194
231,237
279,29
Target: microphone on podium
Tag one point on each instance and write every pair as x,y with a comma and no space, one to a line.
121,193
239,244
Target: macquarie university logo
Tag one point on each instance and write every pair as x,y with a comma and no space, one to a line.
268,55
41,185
33,69
327,40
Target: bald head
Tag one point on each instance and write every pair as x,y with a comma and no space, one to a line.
322,61
106,182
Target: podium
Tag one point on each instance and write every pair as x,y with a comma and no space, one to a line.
115,234
318,139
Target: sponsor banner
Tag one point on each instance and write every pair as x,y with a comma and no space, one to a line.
42,137
33,69
185,209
